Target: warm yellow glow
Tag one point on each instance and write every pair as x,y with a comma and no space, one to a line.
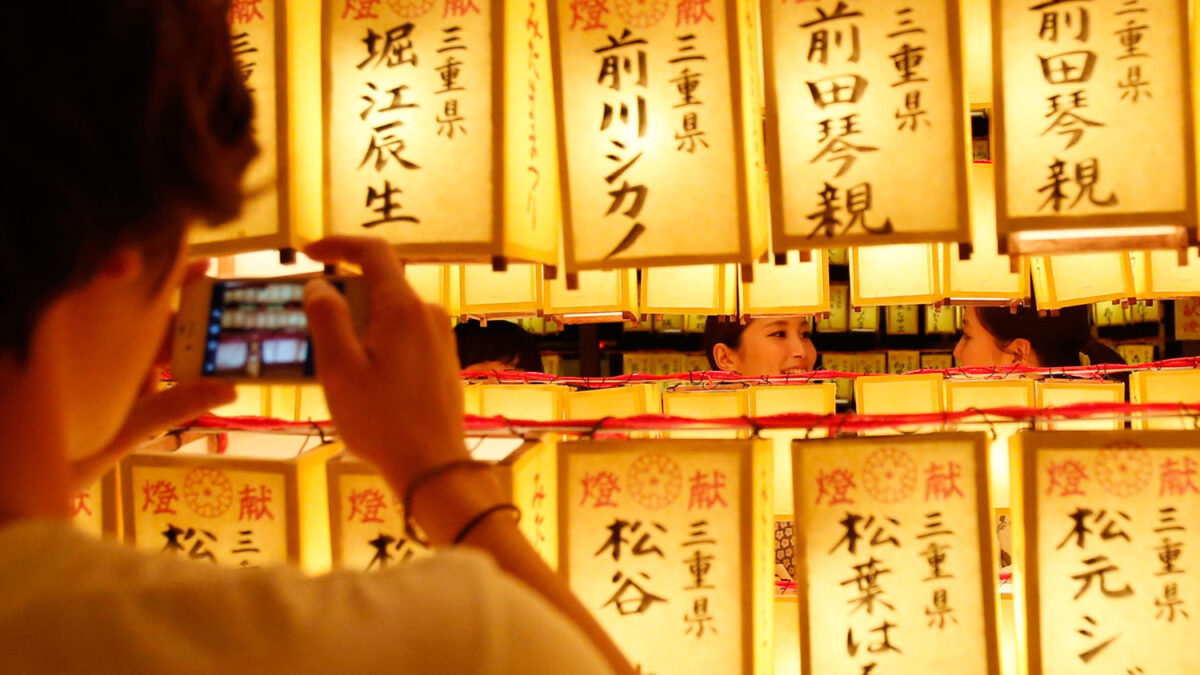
514,292
689,289
1052,393
601,292
626,401
364,513
864,319
701,404
962,395
906,488
431,282
901,361
716,492
539,402
1166,278
987,275
310,404
890,275
252,400
532,477
838,320
1080,279
641,189
96,509
1167,386
903,320
791,289
782,399
896,394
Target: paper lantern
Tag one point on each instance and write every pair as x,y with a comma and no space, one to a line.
894,555
890,275
903,320
1080,279
1094,127
964,395
870,362
310,404
439,128
690,289
262,503
864,319
260,264
899,394
701,403
1164,276
1136,355
253,400
845,363
853,92
937,360
669,545
796,288
96,509
1105,529
432,284
276,47
538,402
1051,393
366,519
626,401
660,133
903,361
1165,386
941,320
602,296
766,400
987,276
484,292
838,318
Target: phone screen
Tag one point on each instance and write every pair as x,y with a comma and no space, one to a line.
258,329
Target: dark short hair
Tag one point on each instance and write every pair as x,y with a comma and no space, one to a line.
127,119
1058,340
501,341
721,331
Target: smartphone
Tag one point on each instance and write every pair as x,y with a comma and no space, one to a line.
252,330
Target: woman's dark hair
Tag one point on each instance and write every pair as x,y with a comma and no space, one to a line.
501,341
721,332
1057,340
127,119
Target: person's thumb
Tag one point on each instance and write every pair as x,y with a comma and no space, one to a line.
336,347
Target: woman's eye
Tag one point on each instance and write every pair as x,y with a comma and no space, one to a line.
777,334
806,335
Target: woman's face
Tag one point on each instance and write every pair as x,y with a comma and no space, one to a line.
978,347
773,347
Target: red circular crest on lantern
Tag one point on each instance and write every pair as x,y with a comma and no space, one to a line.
655,481
890,475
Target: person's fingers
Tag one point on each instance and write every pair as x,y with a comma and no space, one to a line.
335,344
376,258
185,401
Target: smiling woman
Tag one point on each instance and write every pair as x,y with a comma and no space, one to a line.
774,346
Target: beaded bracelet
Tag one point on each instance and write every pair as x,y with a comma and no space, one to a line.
481,516
410,529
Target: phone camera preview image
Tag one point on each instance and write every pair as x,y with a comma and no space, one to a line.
258,329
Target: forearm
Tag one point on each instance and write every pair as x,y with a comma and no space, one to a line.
442,507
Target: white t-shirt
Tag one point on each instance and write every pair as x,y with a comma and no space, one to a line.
71,604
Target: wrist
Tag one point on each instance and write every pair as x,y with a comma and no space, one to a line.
444,504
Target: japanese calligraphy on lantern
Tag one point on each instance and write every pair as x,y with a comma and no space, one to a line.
1095,115
669,544
1110,524
439,130
94,509
256,31
366,520
237,512
856,90
894,560
659,133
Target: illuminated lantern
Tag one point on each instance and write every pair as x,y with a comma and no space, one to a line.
484,292
854,92
795,288
602,296
1163,277
310,404
439,128
904,361
1081,279
276,46
537,402
96,509
660,133
253,400
626,401
690,289
432,284
701,403
366,519
1094,133
981,395
864,319
767,400
1165,386
1052,393
1104,522
669,545
259,264
899,394
941,320
261,503
896,534
903,320
891,275
987,276
838,318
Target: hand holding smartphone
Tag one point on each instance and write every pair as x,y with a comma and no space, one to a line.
251,330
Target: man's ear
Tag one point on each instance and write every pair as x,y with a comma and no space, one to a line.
726,358
1022,352
124,265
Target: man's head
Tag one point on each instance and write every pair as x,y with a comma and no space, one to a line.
127,120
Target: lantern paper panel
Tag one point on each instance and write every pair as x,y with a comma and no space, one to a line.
1052,393
517,291
625,401
252,400
260,504
977,47
941,320
366,519
689,289
602,295
1166,278
1081,279
986,275
796,288
894,555
1164,386
702,403
669,545
901,361
659,133
530,476
766,400
539,402
96,509
903,320
854,91
837,319
1105,523
899,274
438,128
963,395
432,284
1078,89
899,394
